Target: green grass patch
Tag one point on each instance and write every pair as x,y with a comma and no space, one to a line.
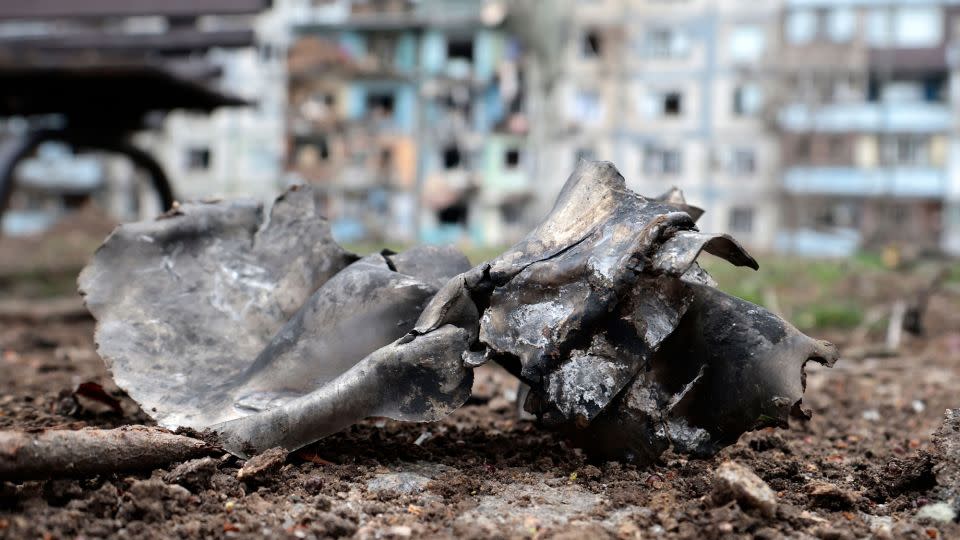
838,315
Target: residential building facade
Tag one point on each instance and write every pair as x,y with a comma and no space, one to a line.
409,116
673,93
866,123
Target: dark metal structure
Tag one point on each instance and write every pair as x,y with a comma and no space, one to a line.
269,333
91,87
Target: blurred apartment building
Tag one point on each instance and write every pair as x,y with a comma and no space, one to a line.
804,126
409,115
673,93
866,112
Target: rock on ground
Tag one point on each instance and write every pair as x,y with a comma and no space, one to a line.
734,482
260,467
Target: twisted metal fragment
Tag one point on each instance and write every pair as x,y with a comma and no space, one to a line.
272,335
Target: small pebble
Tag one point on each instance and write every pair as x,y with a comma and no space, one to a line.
735,482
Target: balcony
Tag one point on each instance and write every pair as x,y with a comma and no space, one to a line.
913,182
916,117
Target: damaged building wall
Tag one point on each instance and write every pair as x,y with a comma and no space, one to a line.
674,93
863,111
415,96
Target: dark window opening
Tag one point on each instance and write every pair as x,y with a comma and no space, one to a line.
741,220
460,49
382,47
386,158
455,214
592,46
381,102
744,162
512,212
512,158
198,158
801,150
323,149
672,104
451,157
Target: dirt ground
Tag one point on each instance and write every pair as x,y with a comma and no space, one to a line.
862,467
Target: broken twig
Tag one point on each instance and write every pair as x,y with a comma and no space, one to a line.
32,456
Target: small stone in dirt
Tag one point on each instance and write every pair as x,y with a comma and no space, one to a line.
400,531
939,511
735,482
829,496
261,467
194,474
398,483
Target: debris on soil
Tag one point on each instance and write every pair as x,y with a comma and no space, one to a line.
946,440
506,478
259,468
269,333
87,452
93,391
735,482
939,511
828,495
194,475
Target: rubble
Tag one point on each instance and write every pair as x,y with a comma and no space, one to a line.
261,466
734,482
194,474
946,440
270,334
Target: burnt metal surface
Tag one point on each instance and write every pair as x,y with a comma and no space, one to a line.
272,335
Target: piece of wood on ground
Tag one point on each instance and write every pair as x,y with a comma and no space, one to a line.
51,453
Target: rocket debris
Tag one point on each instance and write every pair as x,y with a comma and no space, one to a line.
271,334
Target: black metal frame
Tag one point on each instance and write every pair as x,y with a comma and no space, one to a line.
15,150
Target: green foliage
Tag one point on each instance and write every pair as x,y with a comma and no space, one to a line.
838,315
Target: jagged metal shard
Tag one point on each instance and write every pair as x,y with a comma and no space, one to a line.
272,335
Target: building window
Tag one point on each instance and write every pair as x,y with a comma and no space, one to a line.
382,48
460,49
741,219
909,150
747,43
591,45
841,24
743,162
455,214
801,26
664,43
511,158
672,104
662,161
747,99
198,158
380,103
801,150
588,108
451,157
386,158
920,26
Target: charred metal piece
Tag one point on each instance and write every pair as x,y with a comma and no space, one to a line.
272,335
